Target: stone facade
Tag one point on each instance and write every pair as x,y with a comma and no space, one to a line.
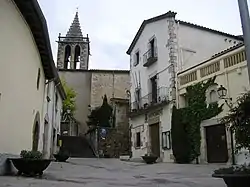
113,83
73,48
91,86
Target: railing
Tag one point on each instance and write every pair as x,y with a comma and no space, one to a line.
150,57
160,95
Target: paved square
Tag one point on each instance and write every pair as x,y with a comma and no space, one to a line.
115,173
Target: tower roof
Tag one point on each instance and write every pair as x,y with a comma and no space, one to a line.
75,28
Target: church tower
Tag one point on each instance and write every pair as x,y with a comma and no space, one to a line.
73,49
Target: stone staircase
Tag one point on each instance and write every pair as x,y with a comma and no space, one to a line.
78,146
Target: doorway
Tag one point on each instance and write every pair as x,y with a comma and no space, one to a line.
154,89
45,138
155,139
216,139
36,132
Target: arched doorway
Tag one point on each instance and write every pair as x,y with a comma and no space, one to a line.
36,132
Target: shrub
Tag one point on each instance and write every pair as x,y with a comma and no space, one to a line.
33,155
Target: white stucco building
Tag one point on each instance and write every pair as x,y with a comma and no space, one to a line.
230,68
162,47
28,78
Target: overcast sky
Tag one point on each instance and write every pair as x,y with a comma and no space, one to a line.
112,24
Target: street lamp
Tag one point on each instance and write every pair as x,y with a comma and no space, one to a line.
222,92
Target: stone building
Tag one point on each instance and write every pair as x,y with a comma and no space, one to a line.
162,47
230,68
90,85
31,94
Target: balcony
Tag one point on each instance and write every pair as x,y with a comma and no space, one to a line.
150,57
151,101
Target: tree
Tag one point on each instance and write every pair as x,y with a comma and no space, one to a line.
180,143
239,118
101,115
69,103
105,113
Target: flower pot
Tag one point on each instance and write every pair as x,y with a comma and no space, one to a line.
30,167
235,180
61,157
149,159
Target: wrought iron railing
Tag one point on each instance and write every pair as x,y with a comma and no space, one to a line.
155,97
150,55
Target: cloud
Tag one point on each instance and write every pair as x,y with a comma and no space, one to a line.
112,24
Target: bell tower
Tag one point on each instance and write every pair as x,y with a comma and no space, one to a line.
73,49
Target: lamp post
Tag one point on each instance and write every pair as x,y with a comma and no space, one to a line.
129,108
222,93
69,117
245,22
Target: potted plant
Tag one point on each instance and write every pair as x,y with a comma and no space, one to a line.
31,163
239,119
62,155
149,158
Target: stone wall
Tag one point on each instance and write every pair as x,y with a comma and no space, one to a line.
80,81
109,82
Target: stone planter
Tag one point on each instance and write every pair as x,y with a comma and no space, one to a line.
61,157
234,180
30,167
149,159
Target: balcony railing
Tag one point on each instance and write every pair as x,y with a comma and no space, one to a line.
150,57
160,96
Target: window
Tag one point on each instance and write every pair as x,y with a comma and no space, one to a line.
234,59
190,77
138,140
138,97
152,47
213,96
56,103
154,94
166,140
137,58
38,78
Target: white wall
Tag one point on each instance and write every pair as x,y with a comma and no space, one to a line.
165,125
53,112
19,100
139,125
203,43
159,30
235,79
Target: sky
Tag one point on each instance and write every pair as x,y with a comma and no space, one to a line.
112,24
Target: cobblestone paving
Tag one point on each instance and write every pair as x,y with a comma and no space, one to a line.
115,173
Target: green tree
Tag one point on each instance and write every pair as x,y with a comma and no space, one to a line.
70,101
239,119
101,116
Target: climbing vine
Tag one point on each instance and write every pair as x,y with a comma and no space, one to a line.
189,120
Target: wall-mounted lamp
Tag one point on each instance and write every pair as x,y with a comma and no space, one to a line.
222,93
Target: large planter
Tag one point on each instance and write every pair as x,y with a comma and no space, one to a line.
149,159
61,157
30,167
235,180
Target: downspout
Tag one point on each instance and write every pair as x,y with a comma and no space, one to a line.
113,95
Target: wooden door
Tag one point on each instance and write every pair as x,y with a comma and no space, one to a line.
216,139
155,139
